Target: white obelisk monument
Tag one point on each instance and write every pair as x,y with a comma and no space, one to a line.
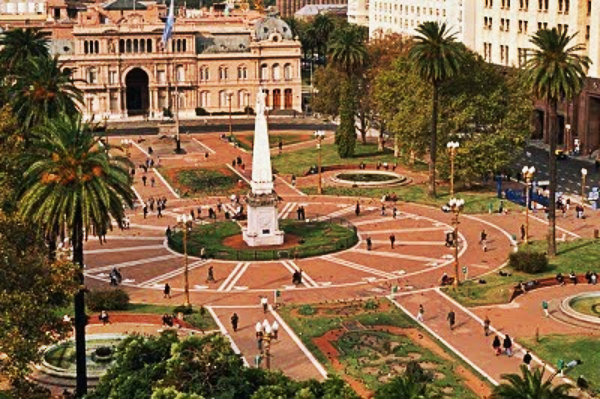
263,226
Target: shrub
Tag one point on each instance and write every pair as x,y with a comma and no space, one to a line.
528,261
115,299
183,309
371,304
307,310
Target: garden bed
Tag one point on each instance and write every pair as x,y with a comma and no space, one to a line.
245,139
193,182
305,239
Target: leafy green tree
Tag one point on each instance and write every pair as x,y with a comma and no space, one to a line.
348,54
323,26
32,292
326,99
42,92
11,149
437,56
557,71
531,385
172,393
73,186
19,46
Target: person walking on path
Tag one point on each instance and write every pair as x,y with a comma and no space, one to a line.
451,319
265,303
152,181
560,367
394,212
210,277
486,326
527,360
392,240
497,345
369,243
483,240
523,232
357,209
145,210
234,321
167,291
507,344
420,313
144,178
382,209
545,308
275,329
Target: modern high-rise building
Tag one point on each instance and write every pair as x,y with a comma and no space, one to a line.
404,16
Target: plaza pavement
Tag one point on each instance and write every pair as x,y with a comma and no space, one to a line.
415,265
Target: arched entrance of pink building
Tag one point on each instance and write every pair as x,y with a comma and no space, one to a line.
137,94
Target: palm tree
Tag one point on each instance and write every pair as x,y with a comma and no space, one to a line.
73,186
437,56
19,46
43,91
404,387
531,385
556,72
323,27
348,54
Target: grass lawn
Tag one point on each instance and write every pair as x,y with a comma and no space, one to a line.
370,356
315,238
299,162
551,348
589,306
202,181
475,202
245,140
579,256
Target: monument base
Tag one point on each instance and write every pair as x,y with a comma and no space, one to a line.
263,224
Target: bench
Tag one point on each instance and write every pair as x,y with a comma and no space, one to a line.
544,282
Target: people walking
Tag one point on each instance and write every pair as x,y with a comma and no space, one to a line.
497,345
152,181
144,179
486,326
545,308
523,234
210,276
265,303
392,240
145,210
507,344
451,319
483,240
234,321
357,209
167,291
420,313
527,360
369,243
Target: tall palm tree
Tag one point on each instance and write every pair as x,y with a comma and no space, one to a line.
437,56
556,72
19,46
348,53
72,185
531,385
43,91
323,27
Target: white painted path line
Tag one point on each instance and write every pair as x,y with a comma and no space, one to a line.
131,263
292,267
299,343
399,243
140,238
446,343
139,197
357,266
338,213
382,219
237,172
557,226
287,209
223,330
304,274
290,186
236,278
231,275
139,147
164,181
125,249
172,273
502,335
398,256
407,230
201,144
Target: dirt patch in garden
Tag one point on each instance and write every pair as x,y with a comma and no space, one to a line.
344,308
237,242
326,345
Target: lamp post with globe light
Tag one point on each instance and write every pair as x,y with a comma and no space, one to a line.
456,206
528,172
126,144
183,222
584,173
319,135
452,147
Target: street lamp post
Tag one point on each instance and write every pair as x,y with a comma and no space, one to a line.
268,336
452,146
126,143
568,136
456,206
528,175
183,221
319,135
584,173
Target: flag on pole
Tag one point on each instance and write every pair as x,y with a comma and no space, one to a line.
168,32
